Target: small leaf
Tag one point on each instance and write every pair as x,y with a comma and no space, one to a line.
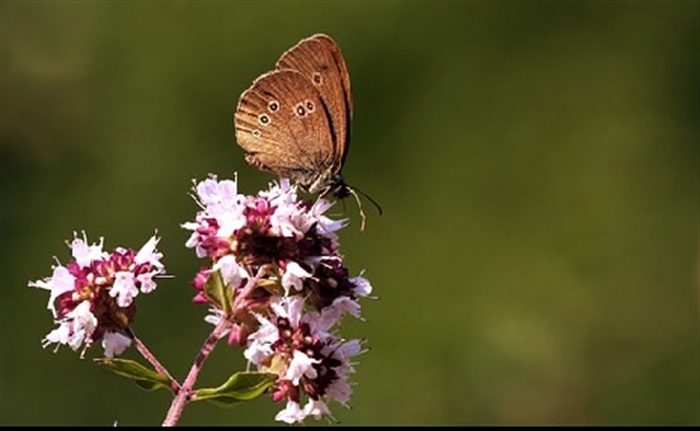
219,292
271,286
239,387
145,378
277,365
265,283
224,402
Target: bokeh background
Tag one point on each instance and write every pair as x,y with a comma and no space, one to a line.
537,164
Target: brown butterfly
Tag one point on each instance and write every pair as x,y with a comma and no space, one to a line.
295,120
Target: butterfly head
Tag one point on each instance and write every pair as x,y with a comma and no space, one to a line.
335,185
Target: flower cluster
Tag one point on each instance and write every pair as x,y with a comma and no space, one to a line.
92,296
287,289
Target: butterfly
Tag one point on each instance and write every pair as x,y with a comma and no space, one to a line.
295,120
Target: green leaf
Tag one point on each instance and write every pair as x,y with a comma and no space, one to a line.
272,286
145,378
239,387
219,292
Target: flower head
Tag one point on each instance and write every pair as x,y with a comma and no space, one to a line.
92,296
289,289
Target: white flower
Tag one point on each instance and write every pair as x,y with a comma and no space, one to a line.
60,282
319,324
362,286
222,202
293,276
343,305
124,288
261,341
340,391
316,408
148,254
195,240
83,254
326,226
292,413
301,365
146,280
231,272
290,307
114,343
283,193
215,317
349,349
78,325
288,221
229,221
212,192
60,335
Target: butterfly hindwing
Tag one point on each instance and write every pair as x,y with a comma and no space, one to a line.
284,128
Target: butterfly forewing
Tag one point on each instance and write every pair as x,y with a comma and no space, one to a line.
331,46
319,59
282,125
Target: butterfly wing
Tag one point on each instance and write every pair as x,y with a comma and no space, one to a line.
282,125
318,58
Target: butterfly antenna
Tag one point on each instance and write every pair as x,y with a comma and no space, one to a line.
359,204
369,198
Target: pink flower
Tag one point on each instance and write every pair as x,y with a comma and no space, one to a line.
279,256
92,296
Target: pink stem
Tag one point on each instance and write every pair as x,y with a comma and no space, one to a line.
184,393
175,386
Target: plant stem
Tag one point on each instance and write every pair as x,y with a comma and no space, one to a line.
184,393
175,386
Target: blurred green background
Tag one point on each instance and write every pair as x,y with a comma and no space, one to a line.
537,163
